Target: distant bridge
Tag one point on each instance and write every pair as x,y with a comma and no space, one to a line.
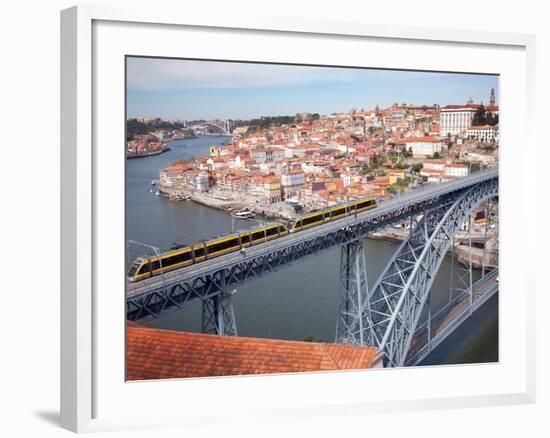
222,128
387,315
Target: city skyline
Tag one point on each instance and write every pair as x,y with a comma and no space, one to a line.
200,89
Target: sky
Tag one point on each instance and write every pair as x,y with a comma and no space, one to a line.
192,90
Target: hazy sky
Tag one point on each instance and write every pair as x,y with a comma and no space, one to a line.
183,89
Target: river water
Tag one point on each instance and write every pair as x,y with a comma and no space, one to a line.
298,301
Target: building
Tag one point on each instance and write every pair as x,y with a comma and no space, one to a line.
456,119
456,170
272,190
172,176
424,146
202,182
434,165
291,183
396,174
485,133
432,175
267,155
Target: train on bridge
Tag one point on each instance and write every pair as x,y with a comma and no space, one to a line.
146,267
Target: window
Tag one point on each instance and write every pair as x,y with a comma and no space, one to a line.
257,235
223,246
144,269
312,219
338,212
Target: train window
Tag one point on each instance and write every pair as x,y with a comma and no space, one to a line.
245,238
199,251
257,235
144,269
338,212
312,219
168,261
222,246
271,231
282,229
133,269
175,259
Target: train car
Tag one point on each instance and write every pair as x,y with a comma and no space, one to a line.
317,218
147,267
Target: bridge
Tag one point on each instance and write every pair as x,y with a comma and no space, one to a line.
222,127
386,315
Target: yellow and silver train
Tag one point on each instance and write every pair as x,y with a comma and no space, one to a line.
145,267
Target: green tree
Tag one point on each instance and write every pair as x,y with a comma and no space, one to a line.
394,188
480,116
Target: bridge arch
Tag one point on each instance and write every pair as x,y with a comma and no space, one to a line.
389,312
220,128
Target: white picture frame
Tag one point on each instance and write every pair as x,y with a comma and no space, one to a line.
87,404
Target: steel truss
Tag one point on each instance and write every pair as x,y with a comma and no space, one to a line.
354,290
218,316
206,282
389,317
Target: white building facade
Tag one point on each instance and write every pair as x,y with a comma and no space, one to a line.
424,146
484,133
202,182
291,183
456,119
456,170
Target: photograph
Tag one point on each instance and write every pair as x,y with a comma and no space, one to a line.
287,218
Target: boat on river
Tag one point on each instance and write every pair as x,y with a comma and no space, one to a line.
245,213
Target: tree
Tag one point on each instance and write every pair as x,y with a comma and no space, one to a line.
480,116
394,188
436,156
417,167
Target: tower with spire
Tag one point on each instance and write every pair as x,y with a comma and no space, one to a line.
492,99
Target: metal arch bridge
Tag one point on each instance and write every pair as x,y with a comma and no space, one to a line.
386,316
224,128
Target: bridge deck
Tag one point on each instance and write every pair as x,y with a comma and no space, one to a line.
398,202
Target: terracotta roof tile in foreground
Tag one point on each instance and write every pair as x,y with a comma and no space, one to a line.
164,354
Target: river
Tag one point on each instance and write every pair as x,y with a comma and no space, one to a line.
290,304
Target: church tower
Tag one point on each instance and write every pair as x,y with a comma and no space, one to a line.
492,100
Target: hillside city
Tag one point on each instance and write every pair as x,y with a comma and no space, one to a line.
283,166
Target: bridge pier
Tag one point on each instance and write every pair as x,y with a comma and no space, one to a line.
353,293
218,316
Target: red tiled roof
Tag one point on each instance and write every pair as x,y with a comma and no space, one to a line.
163,354
467,106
